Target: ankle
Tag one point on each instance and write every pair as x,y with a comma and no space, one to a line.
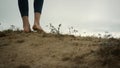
36,23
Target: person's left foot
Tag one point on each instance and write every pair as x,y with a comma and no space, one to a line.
38,28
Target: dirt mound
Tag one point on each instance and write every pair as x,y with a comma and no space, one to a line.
36,50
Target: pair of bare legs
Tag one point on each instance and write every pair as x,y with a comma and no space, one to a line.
36,26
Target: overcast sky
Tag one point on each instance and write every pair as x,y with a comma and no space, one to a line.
83,15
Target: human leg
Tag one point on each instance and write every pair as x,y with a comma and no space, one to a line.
38,4
24,10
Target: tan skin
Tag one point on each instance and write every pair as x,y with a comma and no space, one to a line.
36,26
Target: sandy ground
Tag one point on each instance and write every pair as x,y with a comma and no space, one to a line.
38,50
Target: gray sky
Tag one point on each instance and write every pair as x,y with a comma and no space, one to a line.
83,15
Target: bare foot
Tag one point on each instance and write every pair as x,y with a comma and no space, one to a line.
37,28
26,25
27,28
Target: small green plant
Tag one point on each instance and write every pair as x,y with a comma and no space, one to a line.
106,38
12,28
72,30
107,35
99,35
55,30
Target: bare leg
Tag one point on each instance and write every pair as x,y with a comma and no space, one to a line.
36,25
26,25
37,14
24,10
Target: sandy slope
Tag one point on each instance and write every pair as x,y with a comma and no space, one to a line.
36,50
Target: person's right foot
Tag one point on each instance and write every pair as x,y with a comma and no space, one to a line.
27,28
26,25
